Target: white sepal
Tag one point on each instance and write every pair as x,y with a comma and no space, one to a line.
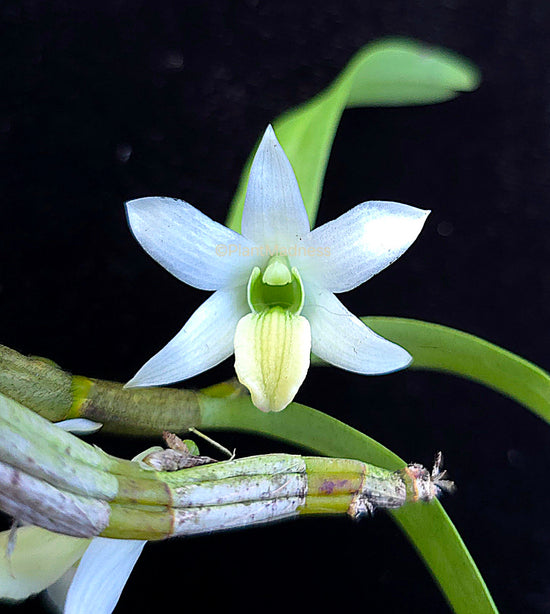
360,243
274,212
101,575
341,339
204,341
194,248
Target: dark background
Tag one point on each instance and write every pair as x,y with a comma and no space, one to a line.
106,101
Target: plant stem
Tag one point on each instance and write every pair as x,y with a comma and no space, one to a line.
85,492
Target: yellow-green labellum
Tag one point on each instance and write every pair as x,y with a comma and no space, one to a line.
272,350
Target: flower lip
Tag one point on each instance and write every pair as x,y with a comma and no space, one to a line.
272,353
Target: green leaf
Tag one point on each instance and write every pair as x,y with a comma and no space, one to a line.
391,72
427,526
440,348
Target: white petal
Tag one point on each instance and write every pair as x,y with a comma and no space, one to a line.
340,338
79,426
101,575
360,243
39,558
204,341
274,212
190,245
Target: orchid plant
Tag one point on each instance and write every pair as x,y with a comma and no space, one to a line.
273,305
274,284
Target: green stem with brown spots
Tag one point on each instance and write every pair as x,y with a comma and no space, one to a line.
51,479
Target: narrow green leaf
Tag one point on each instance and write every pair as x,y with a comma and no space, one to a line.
391,72
427,526
440,348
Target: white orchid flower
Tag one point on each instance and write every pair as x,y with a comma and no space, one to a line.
275,283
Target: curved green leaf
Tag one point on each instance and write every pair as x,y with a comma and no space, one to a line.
390,72
440,348
427,526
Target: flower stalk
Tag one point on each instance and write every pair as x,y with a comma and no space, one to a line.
79,490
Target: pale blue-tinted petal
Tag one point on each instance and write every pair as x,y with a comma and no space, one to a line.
79,426
341,339
190,245
360,243
204,341
274,212
101,575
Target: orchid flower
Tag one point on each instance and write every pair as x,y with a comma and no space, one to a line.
275,284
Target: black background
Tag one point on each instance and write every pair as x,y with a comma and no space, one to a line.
185,88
